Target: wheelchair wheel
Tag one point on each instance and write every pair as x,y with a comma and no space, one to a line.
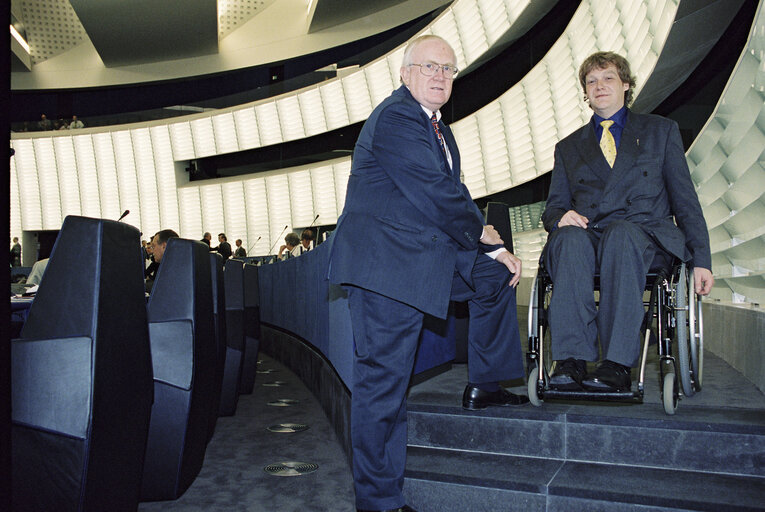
696,334
532,387
668,393
683,342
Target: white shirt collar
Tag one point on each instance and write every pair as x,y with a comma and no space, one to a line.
430,113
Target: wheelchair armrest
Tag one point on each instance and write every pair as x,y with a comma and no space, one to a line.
52,381
172,352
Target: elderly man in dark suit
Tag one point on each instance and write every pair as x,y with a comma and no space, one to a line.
618,186
424,242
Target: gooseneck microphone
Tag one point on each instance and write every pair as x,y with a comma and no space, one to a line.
249,251
314,220
124,214
277,240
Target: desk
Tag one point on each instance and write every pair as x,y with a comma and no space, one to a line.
19,311
296,296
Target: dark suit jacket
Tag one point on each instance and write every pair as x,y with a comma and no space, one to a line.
224,249
408,221
649,185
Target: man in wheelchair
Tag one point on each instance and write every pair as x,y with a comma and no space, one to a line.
621,194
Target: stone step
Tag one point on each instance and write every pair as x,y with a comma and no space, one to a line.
722,441
439,480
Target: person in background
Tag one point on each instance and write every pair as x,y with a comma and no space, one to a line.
207,238
15,253
44,123
158,246
76,123
224,248
306,242
240,252
291,242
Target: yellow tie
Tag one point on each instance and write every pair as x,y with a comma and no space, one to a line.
607,143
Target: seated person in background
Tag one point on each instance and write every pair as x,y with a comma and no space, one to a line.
616,184
240,252
306,243
76,123
151,269
158,246
207,237
37,272
224,248
291,242
44,123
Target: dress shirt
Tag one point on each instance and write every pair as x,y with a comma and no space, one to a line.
619,119
429,113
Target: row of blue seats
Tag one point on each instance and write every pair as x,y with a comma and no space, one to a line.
115,399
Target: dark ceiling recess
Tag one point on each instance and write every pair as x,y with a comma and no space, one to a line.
471,92
137,32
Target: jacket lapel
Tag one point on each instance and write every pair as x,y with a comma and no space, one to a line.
627,153
589,149
451,143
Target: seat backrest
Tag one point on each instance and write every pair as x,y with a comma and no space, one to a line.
219,310
251,301
233,282
498,215
183,349
181,303
93,294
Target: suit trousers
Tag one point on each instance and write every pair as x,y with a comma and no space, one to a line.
386,335
623,254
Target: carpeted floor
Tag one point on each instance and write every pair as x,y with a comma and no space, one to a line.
233,476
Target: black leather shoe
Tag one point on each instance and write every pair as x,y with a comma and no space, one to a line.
405,508
475,398
609,377
568,375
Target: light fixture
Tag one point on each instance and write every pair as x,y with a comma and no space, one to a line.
18,37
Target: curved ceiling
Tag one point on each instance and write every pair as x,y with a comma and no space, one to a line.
81,43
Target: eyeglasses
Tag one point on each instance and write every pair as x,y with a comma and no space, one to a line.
430,69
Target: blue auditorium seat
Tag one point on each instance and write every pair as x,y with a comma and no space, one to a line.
219,315
82,375
233,284
251,328
183,351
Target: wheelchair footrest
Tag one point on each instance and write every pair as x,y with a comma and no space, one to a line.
622,396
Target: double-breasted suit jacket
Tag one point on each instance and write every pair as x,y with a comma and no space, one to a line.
649,185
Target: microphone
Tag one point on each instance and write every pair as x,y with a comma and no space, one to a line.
249,251
277,240
124,214
314,220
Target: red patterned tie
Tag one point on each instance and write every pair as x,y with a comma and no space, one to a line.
434,121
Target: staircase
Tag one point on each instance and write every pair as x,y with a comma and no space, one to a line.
588,456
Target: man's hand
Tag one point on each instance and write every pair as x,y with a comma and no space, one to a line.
703,280
490,236
571,218
513,264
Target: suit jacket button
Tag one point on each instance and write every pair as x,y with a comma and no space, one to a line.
434,238
593,206
629,202
581,180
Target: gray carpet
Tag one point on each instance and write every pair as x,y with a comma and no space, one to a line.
233,476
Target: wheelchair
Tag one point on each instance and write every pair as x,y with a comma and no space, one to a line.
672,320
